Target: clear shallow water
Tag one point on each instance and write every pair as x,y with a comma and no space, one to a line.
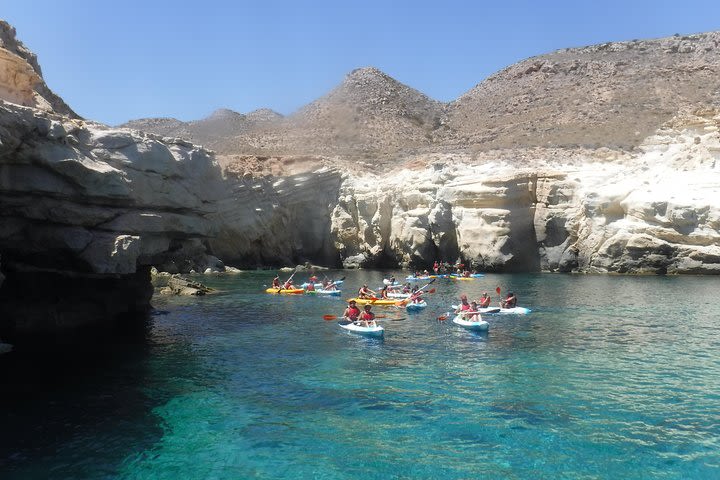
608,377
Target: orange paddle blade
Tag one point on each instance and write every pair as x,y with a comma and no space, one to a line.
329,317
498,290
432,290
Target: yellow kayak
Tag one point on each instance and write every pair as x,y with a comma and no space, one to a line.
377,301
282,290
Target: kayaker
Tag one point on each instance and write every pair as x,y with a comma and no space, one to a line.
384,292
368,317
310,287
436,267
406,288
417,297
473,315
365,292
352,312
276,282
484,300
328,285
392,280
289,285
510,301
464,305
313,278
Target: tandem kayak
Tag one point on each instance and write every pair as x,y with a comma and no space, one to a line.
416,307
493,310
376,301
376,331
285,291
478,326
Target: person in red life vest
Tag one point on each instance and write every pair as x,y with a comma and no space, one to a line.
276,282
436,267
313,278
310,287
484,300
328,285
365,292
289,285
464,305
473,315
352,312
368,317
510,301
417,297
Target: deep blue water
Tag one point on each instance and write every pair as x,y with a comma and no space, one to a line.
609,377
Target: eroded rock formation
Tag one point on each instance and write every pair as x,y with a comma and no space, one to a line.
86,210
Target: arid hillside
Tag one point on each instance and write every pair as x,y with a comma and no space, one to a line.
610,95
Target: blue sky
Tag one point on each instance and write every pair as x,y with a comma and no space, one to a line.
115,61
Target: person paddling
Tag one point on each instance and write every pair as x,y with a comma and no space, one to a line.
464,305
484,300
352,312
384,292
365,292
276,282
510,301
368,317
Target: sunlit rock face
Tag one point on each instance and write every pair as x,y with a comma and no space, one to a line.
650,211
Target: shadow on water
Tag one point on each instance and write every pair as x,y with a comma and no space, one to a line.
65,399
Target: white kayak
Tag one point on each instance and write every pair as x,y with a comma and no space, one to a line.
415,307
398,295
387,281
493,310
320,291
376,331
337,283
478,326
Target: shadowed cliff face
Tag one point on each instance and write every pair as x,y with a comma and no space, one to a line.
85,211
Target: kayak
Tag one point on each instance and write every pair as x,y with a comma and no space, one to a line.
480,325
377,301
285,291
510,311
387,281
418,278
337,283
416,307
376,331
398,295
320,291
457,277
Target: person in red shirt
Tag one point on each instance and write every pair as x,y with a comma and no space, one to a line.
464,305
509,302
368,317
352,312
484,300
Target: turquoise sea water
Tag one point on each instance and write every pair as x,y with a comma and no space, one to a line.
609,377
